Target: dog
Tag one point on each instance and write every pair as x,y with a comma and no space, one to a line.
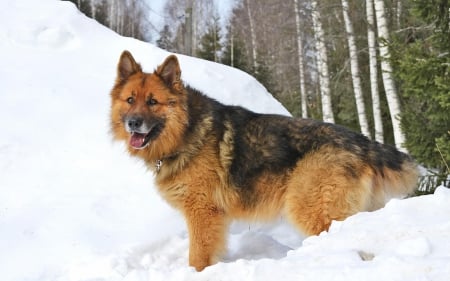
216,163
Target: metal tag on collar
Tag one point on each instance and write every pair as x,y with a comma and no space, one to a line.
158,165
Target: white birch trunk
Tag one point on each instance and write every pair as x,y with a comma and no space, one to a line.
399,13
253,35
111,16
371,39
386,72
322,64
301,66
354,69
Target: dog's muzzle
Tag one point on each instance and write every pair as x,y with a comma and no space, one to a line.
142,131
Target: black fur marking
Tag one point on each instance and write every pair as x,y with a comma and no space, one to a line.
156,130
261,144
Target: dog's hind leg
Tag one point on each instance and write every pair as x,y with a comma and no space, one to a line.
319,193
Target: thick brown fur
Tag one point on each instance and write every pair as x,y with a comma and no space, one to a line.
216,163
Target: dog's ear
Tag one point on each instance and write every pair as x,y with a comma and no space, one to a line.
127,66
170,73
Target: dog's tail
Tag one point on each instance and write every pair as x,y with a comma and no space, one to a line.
388,183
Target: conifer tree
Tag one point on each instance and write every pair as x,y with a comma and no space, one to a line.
423,66
234,52
210,45
165,39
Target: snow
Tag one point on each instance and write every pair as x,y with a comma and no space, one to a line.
75,206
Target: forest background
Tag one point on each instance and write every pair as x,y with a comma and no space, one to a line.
381,67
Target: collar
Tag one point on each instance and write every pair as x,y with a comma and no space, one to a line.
158,165
159,162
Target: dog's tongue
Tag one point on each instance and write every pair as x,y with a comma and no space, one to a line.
137,140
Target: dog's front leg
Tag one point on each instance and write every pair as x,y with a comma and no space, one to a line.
207,226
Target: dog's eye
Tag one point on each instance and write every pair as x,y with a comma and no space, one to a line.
130,100
151,101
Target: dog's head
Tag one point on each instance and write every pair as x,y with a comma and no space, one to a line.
148,110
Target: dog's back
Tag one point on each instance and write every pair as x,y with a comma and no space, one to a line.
325,172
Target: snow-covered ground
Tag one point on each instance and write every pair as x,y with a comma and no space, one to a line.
74,206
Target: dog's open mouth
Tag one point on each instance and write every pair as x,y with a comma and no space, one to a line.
139,140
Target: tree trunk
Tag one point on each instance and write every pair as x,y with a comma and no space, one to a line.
194,26
354,69
301,67
121,12
386,72
93,10
322,64
371,38
398,13
231,47
253,35
112,9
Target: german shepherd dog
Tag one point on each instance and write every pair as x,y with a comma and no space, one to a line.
215,163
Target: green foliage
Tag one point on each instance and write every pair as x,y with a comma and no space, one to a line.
437,13
263,73
423,68
234,53
426,94
443,147
292,103
210,45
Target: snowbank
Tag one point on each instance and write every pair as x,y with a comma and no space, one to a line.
74,206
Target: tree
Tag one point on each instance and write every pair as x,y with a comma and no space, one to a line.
196,14
128,18
259,57
423,68
355,72
322,64
165,39
101,14
252,34
387,75
373,69
234,51
301,65
210,45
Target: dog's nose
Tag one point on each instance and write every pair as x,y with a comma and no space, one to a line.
134,123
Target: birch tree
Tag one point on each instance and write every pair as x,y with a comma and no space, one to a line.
322,64
112,14
252,34
354,69
371,41
398,13
301,66
386,72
